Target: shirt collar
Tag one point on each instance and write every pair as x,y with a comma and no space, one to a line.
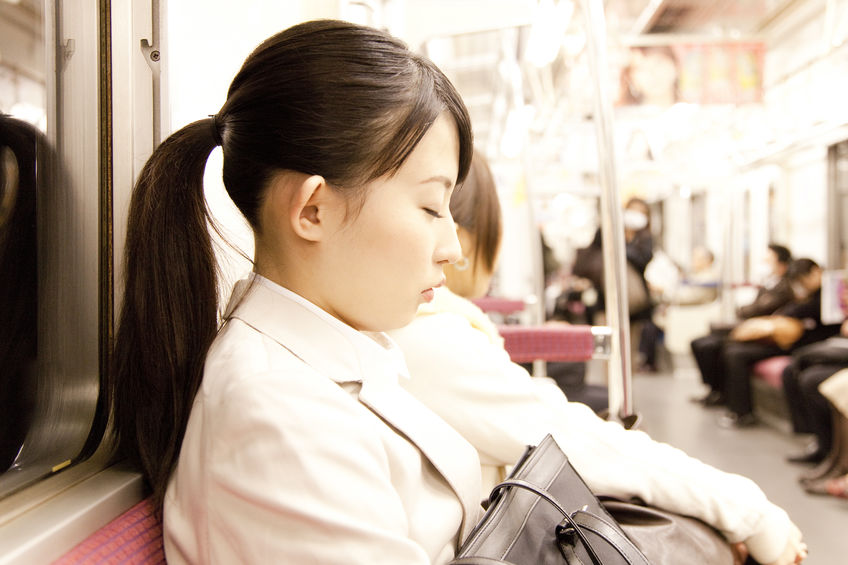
310,333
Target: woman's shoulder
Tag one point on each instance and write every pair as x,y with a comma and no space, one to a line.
251,365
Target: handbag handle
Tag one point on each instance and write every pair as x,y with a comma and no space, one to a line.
611,535
578,521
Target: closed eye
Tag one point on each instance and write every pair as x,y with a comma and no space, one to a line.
433,213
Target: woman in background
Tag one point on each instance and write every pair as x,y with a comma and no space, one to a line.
460,370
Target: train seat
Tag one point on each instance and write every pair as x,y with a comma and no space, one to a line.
770,370
499,305
133,538
552,342
767,389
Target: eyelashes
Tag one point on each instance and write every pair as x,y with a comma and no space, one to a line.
433,213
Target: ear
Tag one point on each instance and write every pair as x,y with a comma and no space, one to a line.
313,208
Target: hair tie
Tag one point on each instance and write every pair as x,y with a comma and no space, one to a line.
216,130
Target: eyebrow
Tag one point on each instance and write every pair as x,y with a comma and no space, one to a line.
440,179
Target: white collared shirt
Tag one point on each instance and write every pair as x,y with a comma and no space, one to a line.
302,448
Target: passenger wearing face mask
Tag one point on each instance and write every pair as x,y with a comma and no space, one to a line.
639,248
795,325
637,234
775,293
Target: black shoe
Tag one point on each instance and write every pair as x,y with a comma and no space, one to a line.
732,420
711,399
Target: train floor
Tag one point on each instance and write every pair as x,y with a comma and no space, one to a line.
760,453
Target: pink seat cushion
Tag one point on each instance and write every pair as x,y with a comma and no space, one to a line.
134,537
771,370
499,305
549,343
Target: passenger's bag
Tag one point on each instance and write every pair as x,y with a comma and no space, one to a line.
667,538
544,514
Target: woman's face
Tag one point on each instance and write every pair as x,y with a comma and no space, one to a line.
392,254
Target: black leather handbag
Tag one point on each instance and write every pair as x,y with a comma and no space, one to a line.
544,514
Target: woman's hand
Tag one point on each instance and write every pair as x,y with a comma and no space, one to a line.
740,553
795,551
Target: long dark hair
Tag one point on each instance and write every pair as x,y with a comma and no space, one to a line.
326,97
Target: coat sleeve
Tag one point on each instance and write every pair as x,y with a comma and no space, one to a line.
300,476
500,409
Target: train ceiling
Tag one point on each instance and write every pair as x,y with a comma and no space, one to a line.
492,62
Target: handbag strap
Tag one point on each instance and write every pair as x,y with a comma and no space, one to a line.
581,520
542,493
611,535
478,561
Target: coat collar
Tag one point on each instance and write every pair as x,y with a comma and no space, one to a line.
310,333
373,361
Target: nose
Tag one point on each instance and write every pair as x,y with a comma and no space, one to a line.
448,249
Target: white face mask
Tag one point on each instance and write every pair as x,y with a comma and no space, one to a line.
635,220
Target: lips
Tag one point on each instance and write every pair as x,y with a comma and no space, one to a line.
429,293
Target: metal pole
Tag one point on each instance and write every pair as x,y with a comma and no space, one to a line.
612,228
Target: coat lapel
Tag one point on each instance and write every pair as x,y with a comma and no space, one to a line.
309,335
454,458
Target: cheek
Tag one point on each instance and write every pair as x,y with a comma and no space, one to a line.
394,245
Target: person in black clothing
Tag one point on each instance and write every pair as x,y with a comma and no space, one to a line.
790,328
708,350
808,408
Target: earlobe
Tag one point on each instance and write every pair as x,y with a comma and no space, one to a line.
307,214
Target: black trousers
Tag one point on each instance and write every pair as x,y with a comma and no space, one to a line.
649,338
809,409
708,351
739,358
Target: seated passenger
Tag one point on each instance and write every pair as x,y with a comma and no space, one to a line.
795,325
808,408
283,436
460,370
774,294
832,476
700,285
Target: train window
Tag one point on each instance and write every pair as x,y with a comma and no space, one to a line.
51,279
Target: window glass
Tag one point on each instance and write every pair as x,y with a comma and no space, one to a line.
49,244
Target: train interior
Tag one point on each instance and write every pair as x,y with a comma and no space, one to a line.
727,118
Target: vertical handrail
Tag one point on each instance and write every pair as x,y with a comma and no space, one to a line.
612,229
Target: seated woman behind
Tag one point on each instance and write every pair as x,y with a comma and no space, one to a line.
460,370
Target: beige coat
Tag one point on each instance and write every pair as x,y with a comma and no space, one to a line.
835,389
302,448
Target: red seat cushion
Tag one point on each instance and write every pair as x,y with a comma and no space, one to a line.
771,370
499,305
134,537
553,342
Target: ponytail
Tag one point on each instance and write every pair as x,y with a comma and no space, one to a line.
170,307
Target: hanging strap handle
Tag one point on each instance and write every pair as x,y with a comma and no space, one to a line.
577,522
